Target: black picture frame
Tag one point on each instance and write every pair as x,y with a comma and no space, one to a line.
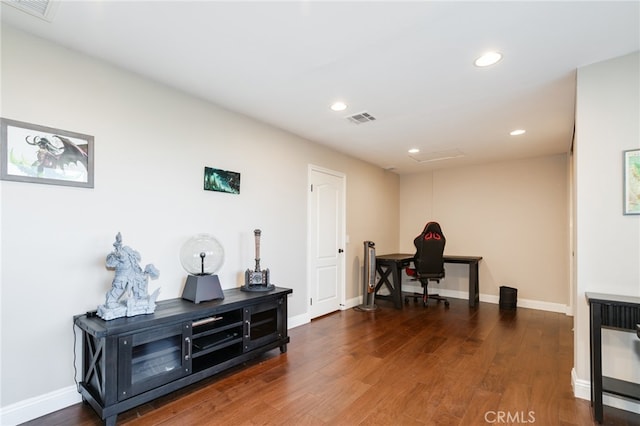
40,154
221,180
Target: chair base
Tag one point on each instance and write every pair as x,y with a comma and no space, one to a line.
426,299
424,281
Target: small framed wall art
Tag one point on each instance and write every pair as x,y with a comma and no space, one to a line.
632,181
221,180
39,154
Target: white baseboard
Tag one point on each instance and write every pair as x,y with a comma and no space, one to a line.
39,406
489,298
531,304
298,320
352,303
582,390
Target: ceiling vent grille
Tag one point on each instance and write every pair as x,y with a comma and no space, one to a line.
43,9
361,118
428,157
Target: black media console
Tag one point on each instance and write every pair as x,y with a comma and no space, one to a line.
618,313
127,362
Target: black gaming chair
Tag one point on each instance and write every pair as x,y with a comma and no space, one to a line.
428,261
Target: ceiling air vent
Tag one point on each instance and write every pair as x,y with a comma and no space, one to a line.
361,118
428,157
43,9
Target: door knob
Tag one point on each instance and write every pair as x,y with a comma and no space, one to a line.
340,251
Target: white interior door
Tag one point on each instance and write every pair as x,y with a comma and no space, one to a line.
326,221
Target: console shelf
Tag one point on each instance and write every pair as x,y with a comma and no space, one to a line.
127,362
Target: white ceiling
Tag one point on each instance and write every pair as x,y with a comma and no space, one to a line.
409,64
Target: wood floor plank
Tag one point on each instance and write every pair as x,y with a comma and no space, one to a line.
298,412
416,366
482,407
335,398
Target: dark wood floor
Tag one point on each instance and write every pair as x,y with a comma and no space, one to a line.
417,366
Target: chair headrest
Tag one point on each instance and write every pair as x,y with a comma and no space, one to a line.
432,231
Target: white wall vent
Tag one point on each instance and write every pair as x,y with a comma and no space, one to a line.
361,118
43,9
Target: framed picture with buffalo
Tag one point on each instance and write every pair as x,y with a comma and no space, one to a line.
39,154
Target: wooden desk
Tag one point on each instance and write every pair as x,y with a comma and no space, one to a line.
390,266
618,313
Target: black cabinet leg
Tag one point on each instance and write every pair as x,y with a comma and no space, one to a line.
111,421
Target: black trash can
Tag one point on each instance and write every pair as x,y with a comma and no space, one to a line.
508,298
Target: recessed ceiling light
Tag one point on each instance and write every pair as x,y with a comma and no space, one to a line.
339,106
414,151
487,59
518,132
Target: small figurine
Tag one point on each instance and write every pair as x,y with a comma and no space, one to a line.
130,280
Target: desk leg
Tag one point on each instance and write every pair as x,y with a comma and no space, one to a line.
390,275
383,271
474,285
397,282
596,361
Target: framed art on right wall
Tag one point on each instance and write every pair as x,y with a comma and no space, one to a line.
632,181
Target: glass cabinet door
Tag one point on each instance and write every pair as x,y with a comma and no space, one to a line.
152,358
263,324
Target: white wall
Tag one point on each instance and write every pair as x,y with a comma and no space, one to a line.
607,242
151,145
513,214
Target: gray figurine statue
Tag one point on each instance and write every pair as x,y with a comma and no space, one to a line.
128,295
